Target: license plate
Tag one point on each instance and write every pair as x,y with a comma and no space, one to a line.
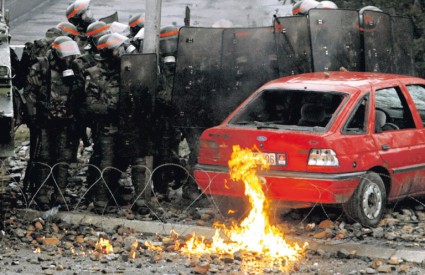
270,157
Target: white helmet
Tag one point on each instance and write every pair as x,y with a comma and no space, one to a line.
223,23
121,28
303,6
327,5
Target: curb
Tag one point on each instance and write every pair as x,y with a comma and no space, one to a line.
152,227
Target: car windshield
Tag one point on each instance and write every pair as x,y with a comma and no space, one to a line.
289,109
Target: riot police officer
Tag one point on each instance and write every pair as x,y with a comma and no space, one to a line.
136,23
167,137
79,14
115,133
52,90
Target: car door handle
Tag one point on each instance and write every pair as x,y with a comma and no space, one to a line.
385,147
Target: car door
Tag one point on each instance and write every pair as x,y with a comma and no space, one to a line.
395,135
417,93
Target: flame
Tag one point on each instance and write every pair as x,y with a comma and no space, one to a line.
104,246
133,254
262,244
152,246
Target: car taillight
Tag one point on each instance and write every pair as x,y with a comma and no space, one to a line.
322,157
208,149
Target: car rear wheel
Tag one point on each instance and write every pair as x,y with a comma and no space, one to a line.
232,207
367,205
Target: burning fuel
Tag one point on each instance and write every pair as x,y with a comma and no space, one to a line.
260,244
104,246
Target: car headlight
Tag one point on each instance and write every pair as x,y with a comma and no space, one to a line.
322,157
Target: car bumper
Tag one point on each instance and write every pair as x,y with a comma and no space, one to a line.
283,185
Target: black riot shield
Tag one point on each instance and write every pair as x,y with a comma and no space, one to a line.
139,73
197,77
335,39
293,45
377,42
402,33
110,18
249,60
138,84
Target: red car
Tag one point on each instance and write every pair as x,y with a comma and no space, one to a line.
350,138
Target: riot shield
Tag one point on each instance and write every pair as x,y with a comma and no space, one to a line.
402,33
249,60
7,122
335,39
197,77
110,18
293,45
138,82
139,74
377,42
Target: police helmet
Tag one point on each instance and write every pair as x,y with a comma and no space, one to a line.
327,5
64,46
112,44
67,29
136,23
302,7
79,12
168,38
95,30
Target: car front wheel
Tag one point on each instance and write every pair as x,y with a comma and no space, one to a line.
367,204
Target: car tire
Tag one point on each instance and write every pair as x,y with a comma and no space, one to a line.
232,207
367,204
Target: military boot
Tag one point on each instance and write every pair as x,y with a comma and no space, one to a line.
141,188
60,182
40,186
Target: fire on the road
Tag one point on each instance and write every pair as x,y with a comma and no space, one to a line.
255,236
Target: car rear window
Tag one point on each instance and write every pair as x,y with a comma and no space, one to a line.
293,109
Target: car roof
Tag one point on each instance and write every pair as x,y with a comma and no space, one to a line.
348,79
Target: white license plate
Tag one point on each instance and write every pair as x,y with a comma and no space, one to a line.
270,157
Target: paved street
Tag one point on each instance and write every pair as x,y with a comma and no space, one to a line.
204,13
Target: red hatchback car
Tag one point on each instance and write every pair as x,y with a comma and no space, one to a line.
350,138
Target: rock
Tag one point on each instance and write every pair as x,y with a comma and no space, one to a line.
38,225
378,232
377,262
323,235
394,260
202,268
326,224
228,259
343,254
310,226
370,270
50,241
384,269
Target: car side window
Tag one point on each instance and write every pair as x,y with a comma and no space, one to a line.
391,110
357,123
417,92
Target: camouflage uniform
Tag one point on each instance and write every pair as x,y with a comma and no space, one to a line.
119,139
102,91
53,98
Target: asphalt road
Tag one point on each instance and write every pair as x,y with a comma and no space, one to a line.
33,24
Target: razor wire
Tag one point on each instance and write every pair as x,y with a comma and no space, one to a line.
308,215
